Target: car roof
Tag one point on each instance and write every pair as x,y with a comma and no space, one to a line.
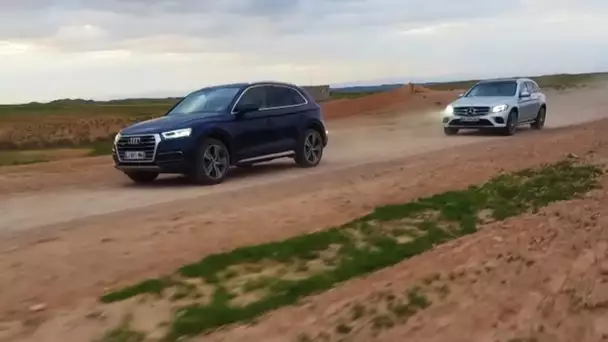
507,79
273,83
248,84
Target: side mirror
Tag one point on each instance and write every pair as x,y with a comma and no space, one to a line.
524,94
245,108
460,95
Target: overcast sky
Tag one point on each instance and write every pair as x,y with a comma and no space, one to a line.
117,48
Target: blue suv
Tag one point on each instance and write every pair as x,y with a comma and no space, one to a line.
214,128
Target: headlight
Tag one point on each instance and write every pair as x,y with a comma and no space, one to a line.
116,138
449,110
498,109
178,133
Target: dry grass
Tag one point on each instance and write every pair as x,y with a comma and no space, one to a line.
8,158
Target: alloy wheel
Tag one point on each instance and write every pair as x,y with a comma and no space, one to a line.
313,146
512,123
541,118
215,161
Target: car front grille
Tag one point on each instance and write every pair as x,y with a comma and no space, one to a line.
471,111
480,123
132,143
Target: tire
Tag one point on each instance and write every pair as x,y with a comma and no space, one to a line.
511,126
539,123
309,150
211,164
450,131
142,177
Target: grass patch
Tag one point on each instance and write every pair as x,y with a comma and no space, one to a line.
101,147
10,158
150,286
380,310
356,248
27,156
349,95
123,333
24,157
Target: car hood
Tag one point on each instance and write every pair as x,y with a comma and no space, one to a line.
172,122
482,101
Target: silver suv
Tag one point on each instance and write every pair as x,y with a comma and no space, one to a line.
497,104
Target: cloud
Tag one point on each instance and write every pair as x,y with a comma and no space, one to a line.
433,29
257,21
9,48
180,45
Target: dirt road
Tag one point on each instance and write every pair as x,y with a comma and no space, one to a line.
94,188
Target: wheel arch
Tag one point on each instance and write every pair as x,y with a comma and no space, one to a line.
218,134
319,127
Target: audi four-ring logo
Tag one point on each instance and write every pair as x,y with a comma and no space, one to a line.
134,141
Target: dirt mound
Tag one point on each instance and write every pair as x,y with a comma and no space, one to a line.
404,99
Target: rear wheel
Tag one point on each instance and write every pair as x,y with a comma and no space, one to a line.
539,123
142,176
511,126
450,130
310,149
212,163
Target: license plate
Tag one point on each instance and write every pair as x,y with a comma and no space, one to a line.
465,119
135,155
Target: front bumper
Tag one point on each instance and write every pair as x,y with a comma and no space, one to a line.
176,164
493,120
168,156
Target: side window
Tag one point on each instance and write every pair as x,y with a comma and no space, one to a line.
255,95
531,88
297,98
284,96
523,87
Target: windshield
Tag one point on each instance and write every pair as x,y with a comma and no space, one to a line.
206,100
502,88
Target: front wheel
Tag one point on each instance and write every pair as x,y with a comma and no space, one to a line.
539,122
211,163
450,131
142,176
310,149
512,122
